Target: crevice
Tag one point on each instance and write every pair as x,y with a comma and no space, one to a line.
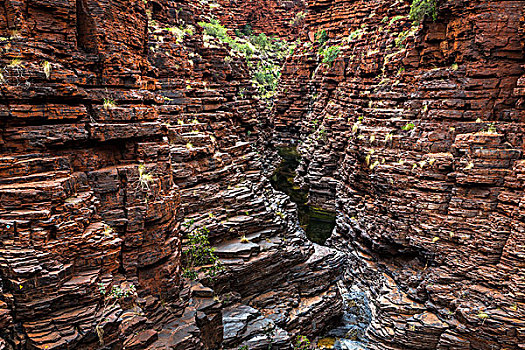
317,223
86,29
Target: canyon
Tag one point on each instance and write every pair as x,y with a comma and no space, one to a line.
262,174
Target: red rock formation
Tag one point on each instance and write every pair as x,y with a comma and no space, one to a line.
119,122
280,18
414,135
116,126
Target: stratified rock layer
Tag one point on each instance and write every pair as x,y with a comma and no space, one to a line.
119,122
415,136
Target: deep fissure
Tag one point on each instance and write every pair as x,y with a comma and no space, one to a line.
317,223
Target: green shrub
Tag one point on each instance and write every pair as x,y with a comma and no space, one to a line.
266,78
247,30
395,19
299,18
263,54
422,8
111,297
408,127
356,34
260,40
198,253
402,36
215,29
330,54
321,37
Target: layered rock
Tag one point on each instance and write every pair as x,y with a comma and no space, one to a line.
119,124
414,136
284,19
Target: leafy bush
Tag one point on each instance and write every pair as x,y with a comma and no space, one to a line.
47,68
330,54
115,295
266,52
109,103
408,127
299,18
180,33
422,8
200,253
215,29
402,36
260,40
247,30
144,178
266,78
321,37
356,34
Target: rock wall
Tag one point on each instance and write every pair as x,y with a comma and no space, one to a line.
415,136
274,18
118,124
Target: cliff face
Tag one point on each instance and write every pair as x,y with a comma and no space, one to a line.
119,124
123,126
414,135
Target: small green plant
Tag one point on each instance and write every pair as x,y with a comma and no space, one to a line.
47,68
492,128
266,78
402,36
321,37
298,19
247,30
321,133
144,178
423,8
109,103
395,19
115,295
180,33
215,29
330,54
260,41
242,93
483,316
302,343
356,34
15,62
408,127
108,231
199,253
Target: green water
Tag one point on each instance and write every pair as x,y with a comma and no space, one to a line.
317,223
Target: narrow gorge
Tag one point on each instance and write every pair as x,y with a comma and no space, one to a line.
262,174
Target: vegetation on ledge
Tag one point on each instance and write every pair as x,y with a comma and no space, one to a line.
264,55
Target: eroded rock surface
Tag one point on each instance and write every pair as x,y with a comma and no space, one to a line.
414,136
121,121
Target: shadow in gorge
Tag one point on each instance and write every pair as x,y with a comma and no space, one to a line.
317,223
